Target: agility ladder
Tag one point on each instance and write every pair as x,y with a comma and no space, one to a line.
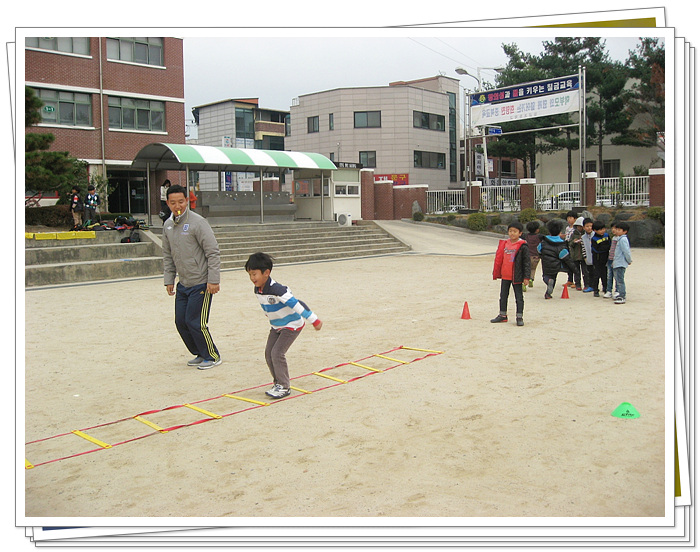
209,416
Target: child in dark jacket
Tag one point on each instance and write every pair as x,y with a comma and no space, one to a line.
554,256
600,244
576,251
512,266
533,239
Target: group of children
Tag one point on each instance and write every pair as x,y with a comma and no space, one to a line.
583,249
83,209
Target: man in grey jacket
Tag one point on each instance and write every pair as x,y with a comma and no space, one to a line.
190,250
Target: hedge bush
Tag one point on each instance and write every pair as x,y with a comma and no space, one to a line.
477,221
655,213
527,215
51,215
418,216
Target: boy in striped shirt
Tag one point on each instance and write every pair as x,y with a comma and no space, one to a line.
287,317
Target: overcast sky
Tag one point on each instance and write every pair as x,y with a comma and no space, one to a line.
276,70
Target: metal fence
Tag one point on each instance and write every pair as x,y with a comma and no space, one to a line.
558,196
500,198
442,201
610,192
628,191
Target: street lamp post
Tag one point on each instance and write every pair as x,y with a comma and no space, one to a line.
462,71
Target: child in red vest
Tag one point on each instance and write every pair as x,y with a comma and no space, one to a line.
512,266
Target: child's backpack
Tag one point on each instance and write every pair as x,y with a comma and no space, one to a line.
133,237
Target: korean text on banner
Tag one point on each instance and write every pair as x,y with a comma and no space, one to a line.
530,108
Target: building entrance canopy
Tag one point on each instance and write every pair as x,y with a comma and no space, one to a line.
182,157
208,158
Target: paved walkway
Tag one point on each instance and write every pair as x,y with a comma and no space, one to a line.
430,238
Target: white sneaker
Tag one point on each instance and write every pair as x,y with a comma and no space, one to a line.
277,391
619,300
607,295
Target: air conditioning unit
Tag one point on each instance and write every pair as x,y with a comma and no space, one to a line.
344,219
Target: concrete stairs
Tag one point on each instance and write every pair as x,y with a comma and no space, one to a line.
56,262
104,257
304,241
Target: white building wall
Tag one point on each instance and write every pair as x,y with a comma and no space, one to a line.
553,168
215,122
394,142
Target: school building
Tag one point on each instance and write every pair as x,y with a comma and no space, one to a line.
105,98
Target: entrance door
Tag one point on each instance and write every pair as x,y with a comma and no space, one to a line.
129,192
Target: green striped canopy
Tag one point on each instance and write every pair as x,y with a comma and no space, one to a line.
208,158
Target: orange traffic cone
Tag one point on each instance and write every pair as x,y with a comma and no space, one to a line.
465,312
565,293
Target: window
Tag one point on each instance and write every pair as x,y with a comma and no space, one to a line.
508,167
71,45
428,160
611,168
146,50
132,114
312,124
591,166
368,159
368,119
347,189
65,108
331,124
287,126
429,121
245,123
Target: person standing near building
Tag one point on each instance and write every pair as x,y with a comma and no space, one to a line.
92,202
164,209
76,207
191,251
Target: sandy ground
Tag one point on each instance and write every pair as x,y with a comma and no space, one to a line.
508,421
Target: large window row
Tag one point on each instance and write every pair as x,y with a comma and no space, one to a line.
428,160
68,44
133,114
430,121
65,108
146,50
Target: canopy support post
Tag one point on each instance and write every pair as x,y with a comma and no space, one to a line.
262,218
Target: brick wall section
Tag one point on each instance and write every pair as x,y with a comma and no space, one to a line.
527,196
404,196
367,194
476,197
657,190
383,201
589,192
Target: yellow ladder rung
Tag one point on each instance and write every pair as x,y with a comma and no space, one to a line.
366,367
150,424
422,350
329,377
392,359
246,400
300,390
91,439
203,411
28,465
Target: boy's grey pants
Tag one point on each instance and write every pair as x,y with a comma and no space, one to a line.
278,342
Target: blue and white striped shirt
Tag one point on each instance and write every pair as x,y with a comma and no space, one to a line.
282,308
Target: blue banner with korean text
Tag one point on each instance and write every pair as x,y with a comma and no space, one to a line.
526,90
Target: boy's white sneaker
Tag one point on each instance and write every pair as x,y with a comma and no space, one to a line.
620,300
277,391
607,295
